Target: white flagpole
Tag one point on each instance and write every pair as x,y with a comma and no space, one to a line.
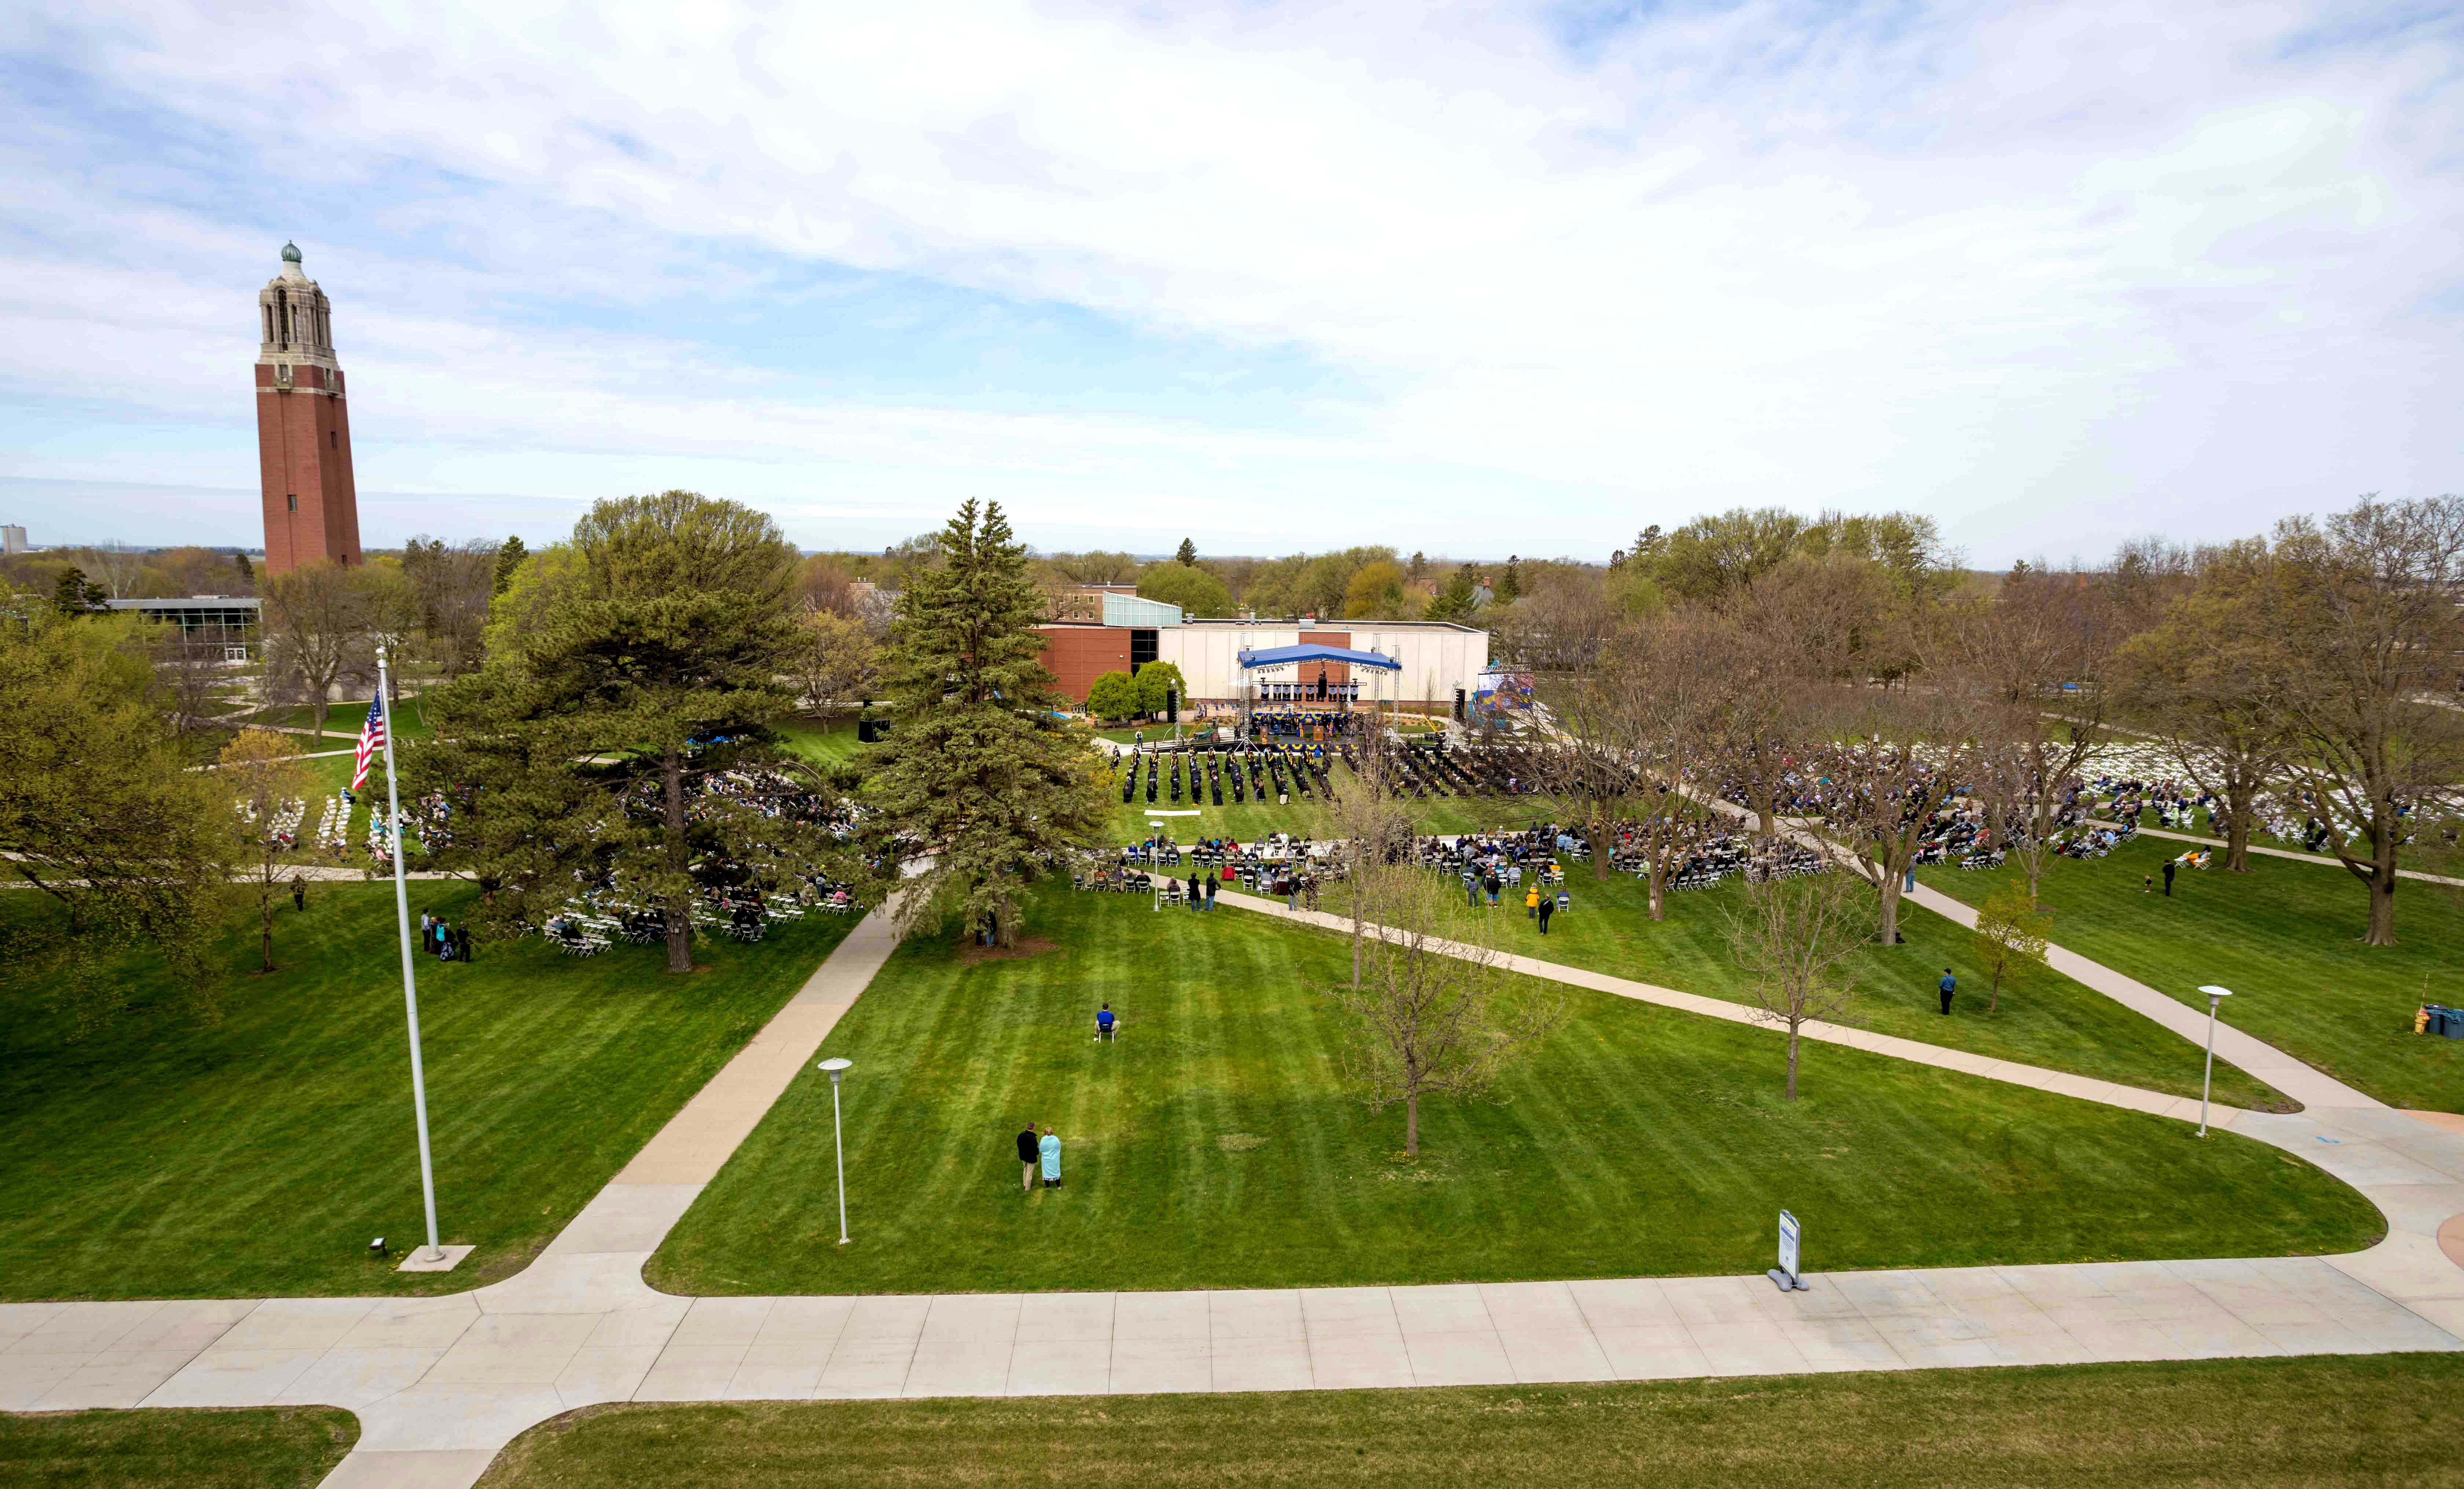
410,981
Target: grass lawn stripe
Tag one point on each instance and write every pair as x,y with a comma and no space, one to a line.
2285,938
2318,1423
254,1448
257,1156
1638,1141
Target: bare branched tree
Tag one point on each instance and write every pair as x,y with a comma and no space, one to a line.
2206,682
1793,938
261,772
1429,1017
1374,827
1902,757
1593,765
314,629
833,660
451,588
1676,693
2364,609
2041,658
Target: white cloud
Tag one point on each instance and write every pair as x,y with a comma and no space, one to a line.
2058,274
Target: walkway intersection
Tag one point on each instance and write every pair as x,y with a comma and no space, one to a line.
442,1384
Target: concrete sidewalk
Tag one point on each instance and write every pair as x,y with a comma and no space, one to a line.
2274,853
2303,1082
2087,1088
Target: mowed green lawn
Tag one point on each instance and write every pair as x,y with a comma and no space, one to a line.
2046,1019
259,1155
254,1448
1214,1146
2286,939
2256,1424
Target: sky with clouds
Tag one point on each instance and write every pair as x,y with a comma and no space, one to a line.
1274,276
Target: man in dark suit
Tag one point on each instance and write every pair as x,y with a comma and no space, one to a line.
1029,1153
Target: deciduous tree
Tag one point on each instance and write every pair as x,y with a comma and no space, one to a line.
1793,938
2364,610
1430,1015
98,812
834,660
260,772
1197,592
1113,695
2206,682
316,629
2009,940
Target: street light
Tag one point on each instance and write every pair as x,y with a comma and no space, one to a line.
2215,996
838,1068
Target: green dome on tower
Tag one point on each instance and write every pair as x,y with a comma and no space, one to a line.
291,253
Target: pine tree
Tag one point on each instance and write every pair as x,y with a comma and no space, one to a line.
1188,553
508,558
247,569
633,672
975,775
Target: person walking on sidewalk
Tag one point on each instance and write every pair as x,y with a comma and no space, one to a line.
1948,986
1027,1154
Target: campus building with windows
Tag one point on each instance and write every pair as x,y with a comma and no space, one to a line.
1435,656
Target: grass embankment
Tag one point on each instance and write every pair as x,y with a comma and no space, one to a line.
2256,1424
258,1155
256,1448
1215,1146
2045,1020
2286,939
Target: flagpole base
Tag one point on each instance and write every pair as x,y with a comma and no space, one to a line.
447,1258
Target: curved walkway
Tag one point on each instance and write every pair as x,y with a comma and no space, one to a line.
2276,853
441,1383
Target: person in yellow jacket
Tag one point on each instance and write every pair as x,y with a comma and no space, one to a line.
1532,901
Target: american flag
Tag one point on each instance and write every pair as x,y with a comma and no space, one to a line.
372,738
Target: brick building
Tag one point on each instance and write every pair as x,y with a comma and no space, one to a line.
1436,656
303,426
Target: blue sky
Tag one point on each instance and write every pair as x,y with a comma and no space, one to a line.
1471,280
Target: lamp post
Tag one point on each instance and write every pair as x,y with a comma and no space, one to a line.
838,1068
2215,996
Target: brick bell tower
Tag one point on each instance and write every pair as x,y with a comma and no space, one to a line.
303,426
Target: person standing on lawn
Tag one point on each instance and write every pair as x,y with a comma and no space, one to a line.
2169,867
1051,1151
1948,986
1027,1153
1545,905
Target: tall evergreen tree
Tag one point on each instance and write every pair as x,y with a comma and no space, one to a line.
1188,553
509,562
977,777
632,678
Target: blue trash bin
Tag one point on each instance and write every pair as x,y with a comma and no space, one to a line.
2451,1023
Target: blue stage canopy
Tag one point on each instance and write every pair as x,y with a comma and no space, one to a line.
1278,656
